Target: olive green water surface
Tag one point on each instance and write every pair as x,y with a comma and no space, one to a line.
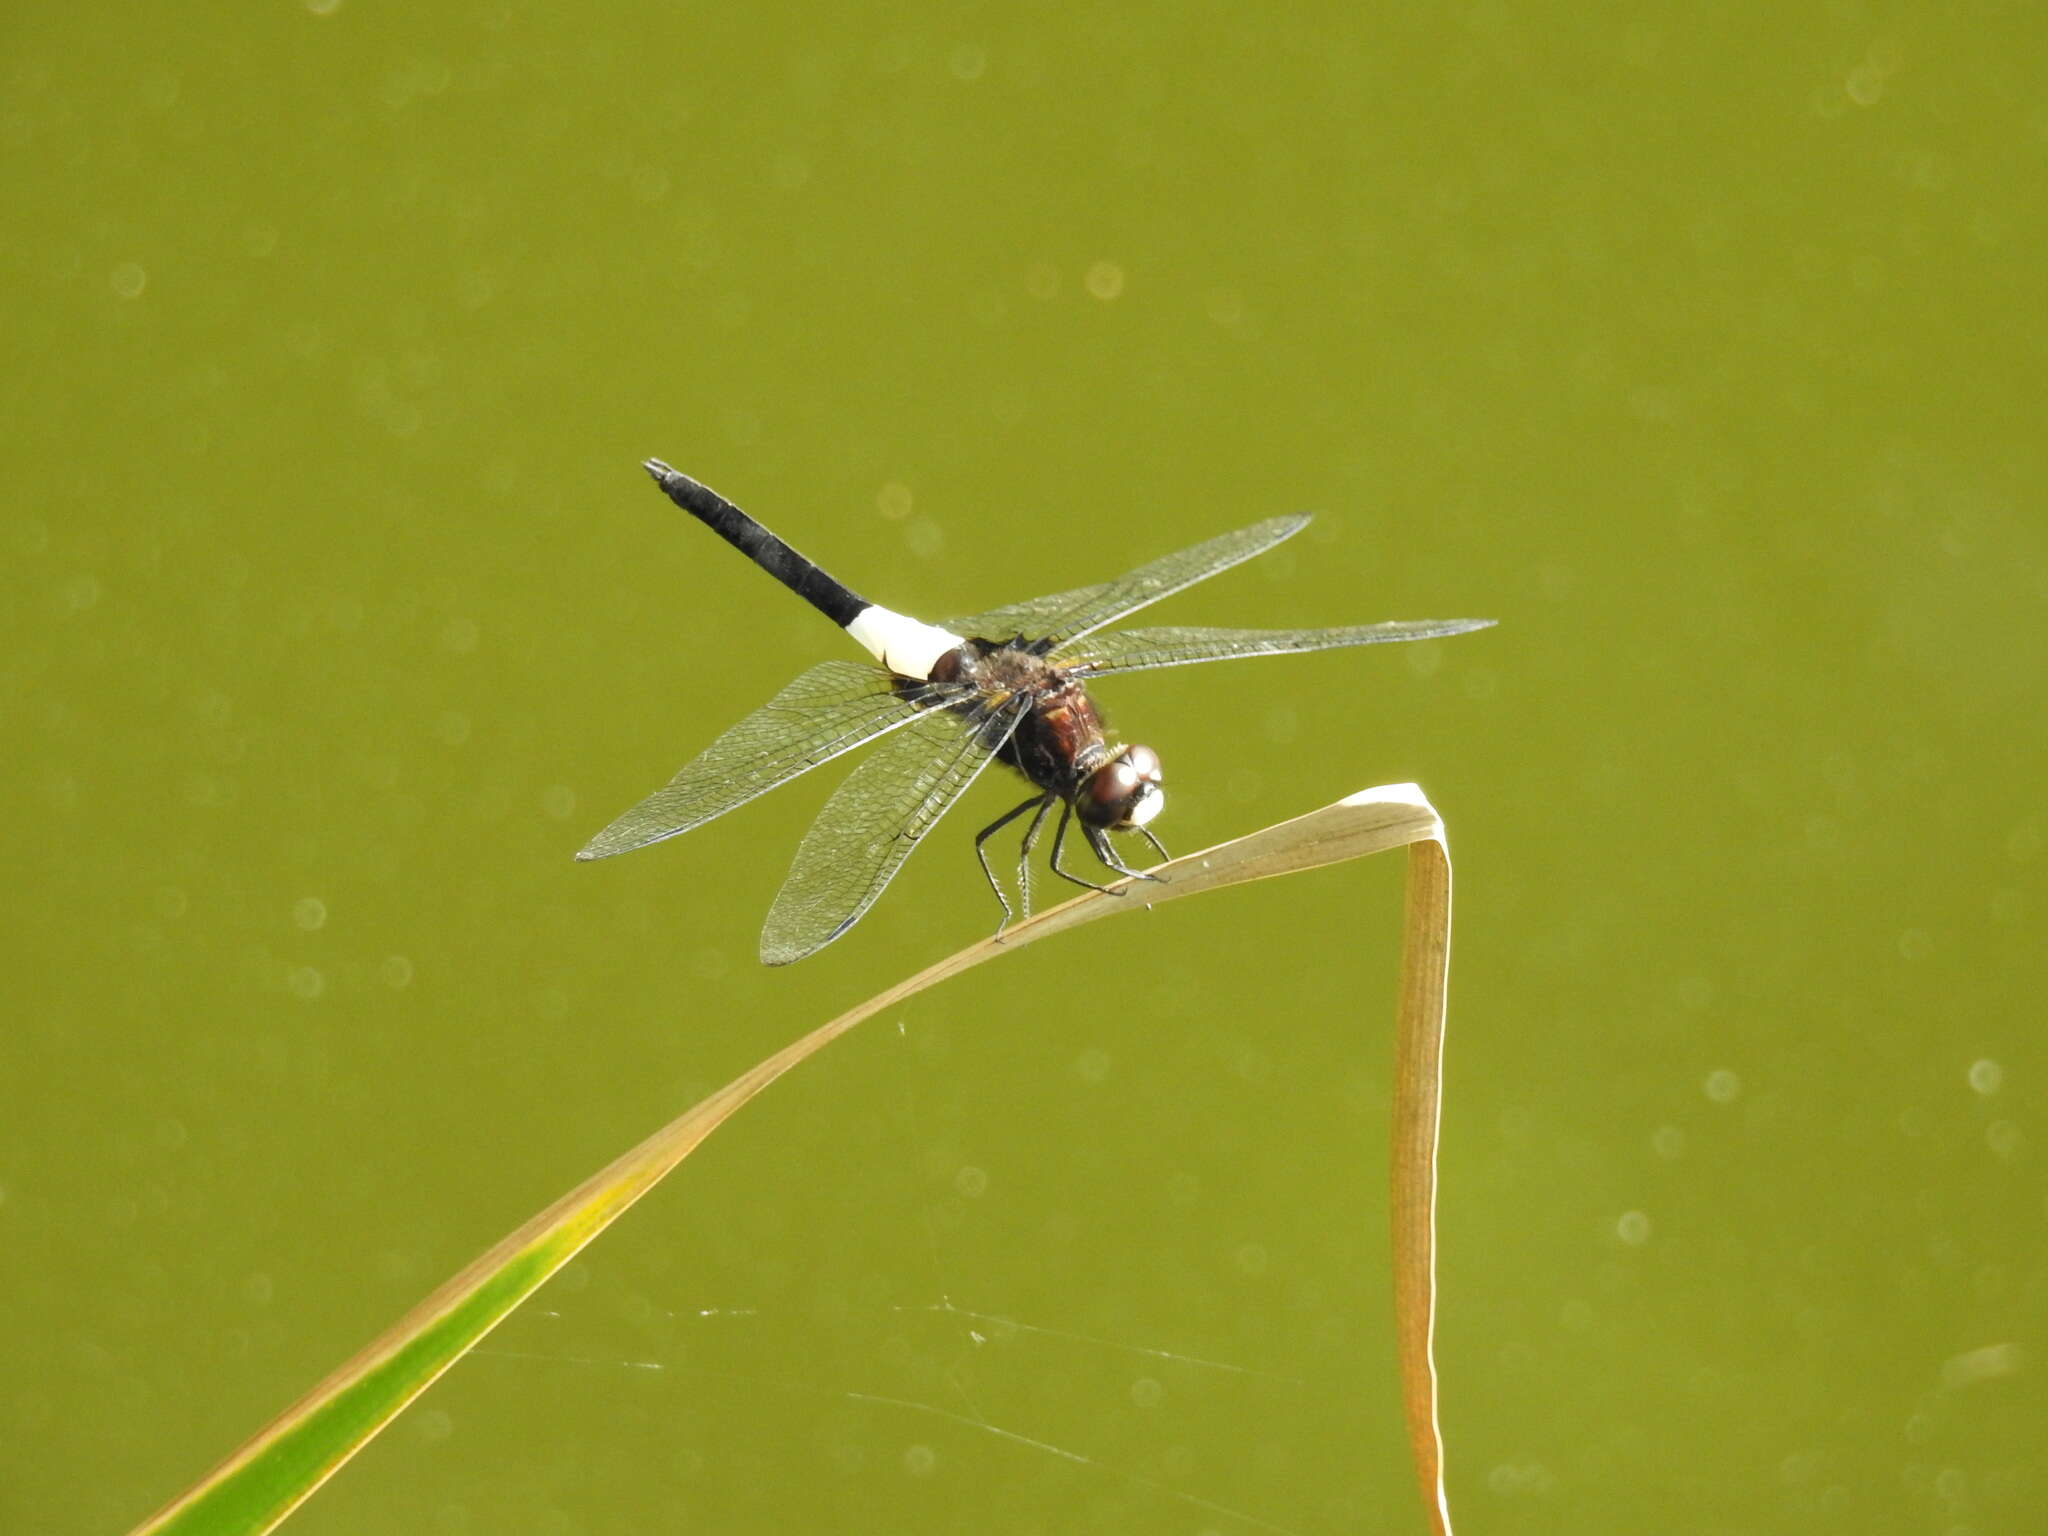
1702,349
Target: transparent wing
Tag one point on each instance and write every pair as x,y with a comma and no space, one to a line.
1030,619
828,710
1134,650
873,821
1069,615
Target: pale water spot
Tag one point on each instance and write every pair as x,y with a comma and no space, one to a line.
395,972
1224,305
558,801
161,89
1986,1076
1105,280
920,1460
2023,842
1092,1066
1522,1476
1556,580
648,184
1865,85
1633,1228
1668,1142
81,592
1723,1086
304,981
475,287
894,501
1986,1364
128,280
309,913
1147,1393
971,1182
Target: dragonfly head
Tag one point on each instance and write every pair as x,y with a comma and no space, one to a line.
1124,792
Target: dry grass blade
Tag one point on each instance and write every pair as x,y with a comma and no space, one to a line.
1418,1100
283,1463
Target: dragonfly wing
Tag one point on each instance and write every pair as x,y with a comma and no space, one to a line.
828,710
1070,615
1135,650
875,819
1030,619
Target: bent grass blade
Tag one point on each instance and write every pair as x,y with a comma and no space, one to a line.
279,1467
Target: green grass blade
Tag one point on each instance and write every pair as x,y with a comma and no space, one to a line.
279,1467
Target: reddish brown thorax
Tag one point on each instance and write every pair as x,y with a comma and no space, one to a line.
1060,744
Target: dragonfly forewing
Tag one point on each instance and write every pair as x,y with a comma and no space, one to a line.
1136,650
1069,615
1174,573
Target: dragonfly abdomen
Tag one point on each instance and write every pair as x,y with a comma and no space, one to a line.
831,597
903,645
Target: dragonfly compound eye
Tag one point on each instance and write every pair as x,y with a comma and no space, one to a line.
1124,792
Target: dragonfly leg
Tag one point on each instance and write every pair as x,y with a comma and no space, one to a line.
1024,854
981,852
1059,841
1099,841
1157,846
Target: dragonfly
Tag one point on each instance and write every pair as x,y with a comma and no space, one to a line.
943,701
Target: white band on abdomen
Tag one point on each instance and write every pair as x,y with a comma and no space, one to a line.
902,644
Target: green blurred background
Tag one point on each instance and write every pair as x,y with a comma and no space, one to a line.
1705,351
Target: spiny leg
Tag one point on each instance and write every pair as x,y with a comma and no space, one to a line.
1099,841
1157,846
1059,841
1024,854
981,853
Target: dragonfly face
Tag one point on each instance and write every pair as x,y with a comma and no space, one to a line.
1124,794
943,703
